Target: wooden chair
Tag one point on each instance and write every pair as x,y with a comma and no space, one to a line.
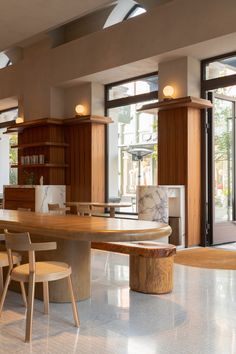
55,207
23,209
34,272
83,210
4,262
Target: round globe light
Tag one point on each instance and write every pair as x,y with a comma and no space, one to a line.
168,91
79,109
19,120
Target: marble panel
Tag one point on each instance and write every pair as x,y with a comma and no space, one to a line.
49,194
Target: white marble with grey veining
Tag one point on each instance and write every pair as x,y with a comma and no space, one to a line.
45,195
153,203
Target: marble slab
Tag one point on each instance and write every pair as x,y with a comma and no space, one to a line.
153,203
45,195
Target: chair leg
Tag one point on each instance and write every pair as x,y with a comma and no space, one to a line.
4,293
22,286
74,307
1,280
46,297
30,308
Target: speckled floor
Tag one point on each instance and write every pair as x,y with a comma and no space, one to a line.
198,317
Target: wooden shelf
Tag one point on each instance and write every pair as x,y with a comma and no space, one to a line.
51,165
188,101
46,143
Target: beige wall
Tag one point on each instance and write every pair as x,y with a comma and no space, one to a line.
182,74
78,95
174,25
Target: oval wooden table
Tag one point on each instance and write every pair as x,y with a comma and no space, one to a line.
73,235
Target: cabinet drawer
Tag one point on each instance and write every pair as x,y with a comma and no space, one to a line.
19,194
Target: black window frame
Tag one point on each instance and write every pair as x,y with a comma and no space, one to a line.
207,138
129,13
119,103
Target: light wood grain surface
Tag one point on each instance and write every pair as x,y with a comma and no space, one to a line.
82,228
67,230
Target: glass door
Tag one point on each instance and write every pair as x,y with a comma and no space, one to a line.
223,168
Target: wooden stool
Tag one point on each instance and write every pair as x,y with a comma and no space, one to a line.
151,264
34,272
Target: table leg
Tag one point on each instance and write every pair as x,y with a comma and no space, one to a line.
112,212
78,256
75,253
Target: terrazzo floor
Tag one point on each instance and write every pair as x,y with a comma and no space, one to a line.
198,317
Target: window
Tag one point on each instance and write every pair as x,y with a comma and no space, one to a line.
4,61
132,138
8,156
135,11
123,11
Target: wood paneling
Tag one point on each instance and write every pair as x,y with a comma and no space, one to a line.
179,156
74,153
15,198
193,192
86,158
172,147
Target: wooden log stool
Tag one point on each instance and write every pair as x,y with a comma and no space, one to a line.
151,264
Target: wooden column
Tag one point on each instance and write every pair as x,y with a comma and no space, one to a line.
86,158
179,155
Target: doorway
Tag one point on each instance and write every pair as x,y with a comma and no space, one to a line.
223,165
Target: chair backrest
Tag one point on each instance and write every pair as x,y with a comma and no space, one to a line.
22,242
83,210
18,242
153,203
53,207
23,209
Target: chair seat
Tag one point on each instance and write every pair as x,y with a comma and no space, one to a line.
4,259
45,271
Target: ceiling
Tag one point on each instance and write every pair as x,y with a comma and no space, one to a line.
21,20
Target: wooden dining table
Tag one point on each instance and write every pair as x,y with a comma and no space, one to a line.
110,205
74,235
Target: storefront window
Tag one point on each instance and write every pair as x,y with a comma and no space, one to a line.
132,141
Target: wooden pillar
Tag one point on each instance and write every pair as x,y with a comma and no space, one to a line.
86,158
179,155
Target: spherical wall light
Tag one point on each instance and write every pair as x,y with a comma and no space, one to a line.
168,92
19,120
80,109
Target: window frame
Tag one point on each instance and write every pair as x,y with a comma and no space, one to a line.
207,137
119,103
129,13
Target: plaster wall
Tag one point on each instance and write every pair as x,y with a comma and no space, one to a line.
182,74
80,94
165,28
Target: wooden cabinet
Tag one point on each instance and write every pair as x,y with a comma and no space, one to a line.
15,198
